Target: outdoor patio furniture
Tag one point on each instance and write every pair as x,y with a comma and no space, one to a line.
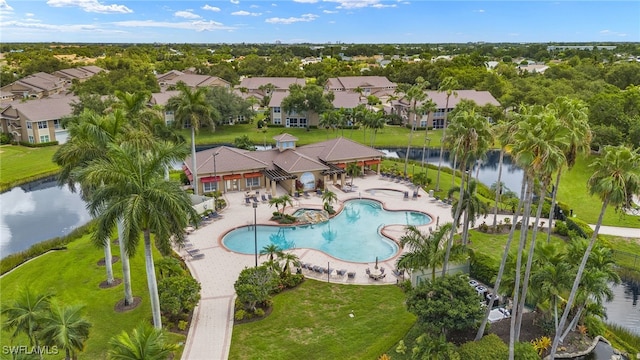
306,194
368,271
351,275
264,198
406,195
247,201
341,272
415,195
319,192
398,273
269,197
255,199
197,256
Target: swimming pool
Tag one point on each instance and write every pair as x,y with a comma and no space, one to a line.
353,235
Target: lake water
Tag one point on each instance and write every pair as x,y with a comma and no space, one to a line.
36,212
488,174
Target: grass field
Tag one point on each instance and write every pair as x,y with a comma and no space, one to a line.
313,322
20,164
73,276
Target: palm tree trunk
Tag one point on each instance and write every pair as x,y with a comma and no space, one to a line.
424,145
194,171
516,288
498,190
524,230
505,253
406,156
576,282
126,270
444,131
573,323
453,172
553,204
527,271
454,226
107,261
151,281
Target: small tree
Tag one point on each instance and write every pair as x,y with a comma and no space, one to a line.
255,285
178,295
445,304
144,343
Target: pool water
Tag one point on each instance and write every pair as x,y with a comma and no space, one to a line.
353,235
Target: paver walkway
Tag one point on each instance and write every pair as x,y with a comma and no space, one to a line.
210,333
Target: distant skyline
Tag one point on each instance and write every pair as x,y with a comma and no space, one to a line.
318,21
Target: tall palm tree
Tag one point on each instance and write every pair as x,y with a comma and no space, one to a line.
376,121
134,190
23,315
353,170
448,86
573,114
616,176
328,198
144,343
66,328
427,108
192,109
470,137
539,144
426,251
502,132
287,260
415,95
329,121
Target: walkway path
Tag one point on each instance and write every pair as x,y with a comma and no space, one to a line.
210,333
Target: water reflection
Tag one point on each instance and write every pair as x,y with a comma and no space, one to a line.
624,310
36,212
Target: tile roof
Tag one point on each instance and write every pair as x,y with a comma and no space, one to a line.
253,83
481,98
352,82
347,99
339,149
44,109
285,137
163,97
293,161
229,160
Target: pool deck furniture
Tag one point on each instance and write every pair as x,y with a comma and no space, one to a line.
264,198
218,268
406,195
341,272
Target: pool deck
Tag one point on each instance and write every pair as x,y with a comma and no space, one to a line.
212,326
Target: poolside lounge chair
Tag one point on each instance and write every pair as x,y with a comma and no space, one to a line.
197,256
319,192
341,272
406,195
368,271
351,275
247,201
264,198
269,197
398,273
255,199
415,195
306,194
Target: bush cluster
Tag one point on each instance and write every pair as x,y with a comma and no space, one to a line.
483,268
35,145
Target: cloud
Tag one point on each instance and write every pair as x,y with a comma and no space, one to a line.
245,13
478,11
329,11
356,4
91,6
235,2
291,20
186,14
199,25
50,27
381,6
254,6
612,33
306,1
211,8
29,14
5,10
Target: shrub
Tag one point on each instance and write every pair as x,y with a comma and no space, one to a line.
525,351
178,295
240,315
259,312
594,325
6,138
182,325
541,345
483,268
291,280
34,145
489,347
561,228
580,227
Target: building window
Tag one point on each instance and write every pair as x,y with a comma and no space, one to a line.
276,110
56,123
29,125
31,140
42,124
277,121
209,186
44,138
253,182
423,123
297,122
438,123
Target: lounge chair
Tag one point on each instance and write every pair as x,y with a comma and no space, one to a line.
319,192
247,201
269,197
255,199
215,215
341,272
351,275
368,271
264,198
415,195
197,256
306,194
398,273
406,195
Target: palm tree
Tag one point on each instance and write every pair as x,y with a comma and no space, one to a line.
287,260
470,137
66,328
134,190
448,85
192,109
285,200
329,120
272,251
472,205
376,121
414,95
426,251
503,132
427,108
615,178
353,170
144,343
539,143
24,314
328,198
573,114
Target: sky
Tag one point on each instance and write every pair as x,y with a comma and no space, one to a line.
318,21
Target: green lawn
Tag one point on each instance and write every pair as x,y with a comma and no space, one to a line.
573,191
312,322
73,275
20,164
390,136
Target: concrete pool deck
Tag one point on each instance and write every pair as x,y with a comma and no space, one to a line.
212,326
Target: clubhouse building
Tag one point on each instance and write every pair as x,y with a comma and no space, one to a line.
305,168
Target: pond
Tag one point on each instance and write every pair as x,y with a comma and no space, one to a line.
487,174
36,212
